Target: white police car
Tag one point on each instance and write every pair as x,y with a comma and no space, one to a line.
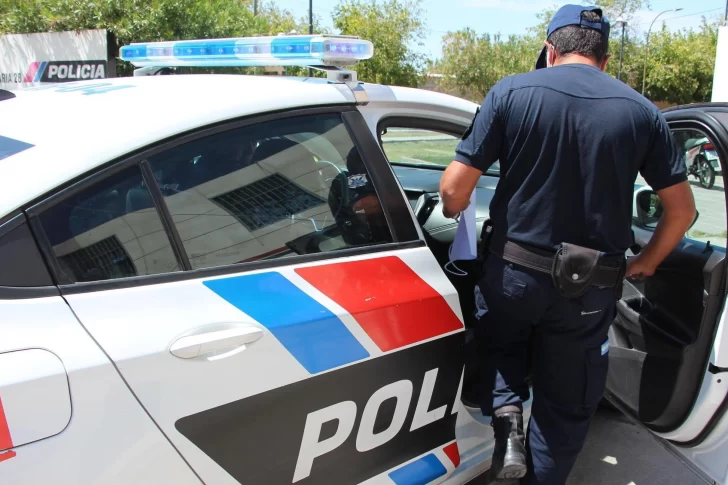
229,279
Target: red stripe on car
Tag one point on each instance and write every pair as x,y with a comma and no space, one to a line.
393,305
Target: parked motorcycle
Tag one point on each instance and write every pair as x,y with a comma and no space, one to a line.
702,161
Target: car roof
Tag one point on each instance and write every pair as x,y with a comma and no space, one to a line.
708,106
75,127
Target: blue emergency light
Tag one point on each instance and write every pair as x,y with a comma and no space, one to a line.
282,50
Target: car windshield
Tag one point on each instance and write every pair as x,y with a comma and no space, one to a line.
423,148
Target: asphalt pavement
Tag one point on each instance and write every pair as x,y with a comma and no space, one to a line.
620,452
710,204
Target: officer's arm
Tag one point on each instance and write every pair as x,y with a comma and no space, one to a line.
456,185
476,152
678,213
665,171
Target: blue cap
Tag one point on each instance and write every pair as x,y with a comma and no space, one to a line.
571,15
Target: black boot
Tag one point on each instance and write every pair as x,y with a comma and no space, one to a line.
509,456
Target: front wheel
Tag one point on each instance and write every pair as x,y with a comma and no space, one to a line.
706,173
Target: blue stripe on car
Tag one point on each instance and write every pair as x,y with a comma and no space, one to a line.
309,331
419,472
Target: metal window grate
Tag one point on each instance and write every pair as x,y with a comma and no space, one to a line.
267,201
103,260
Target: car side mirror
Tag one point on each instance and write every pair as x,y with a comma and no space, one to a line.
649,209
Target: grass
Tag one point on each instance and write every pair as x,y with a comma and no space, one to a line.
437,152
698,233
413,133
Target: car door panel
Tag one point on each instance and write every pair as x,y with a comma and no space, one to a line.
108,439
342,341
62,402
302,331
658,329
667,334
665,327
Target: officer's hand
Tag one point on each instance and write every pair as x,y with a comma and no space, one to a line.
448,214
452,215
638,267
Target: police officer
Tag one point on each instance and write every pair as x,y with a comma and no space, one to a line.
355,205
570,141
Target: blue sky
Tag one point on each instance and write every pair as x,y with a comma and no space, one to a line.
514,16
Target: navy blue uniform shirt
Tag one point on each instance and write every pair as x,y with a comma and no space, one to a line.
570,141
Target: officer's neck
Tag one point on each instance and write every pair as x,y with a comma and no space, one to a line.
575,59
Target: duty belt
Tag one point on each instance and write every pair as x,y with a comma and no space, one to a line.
608,272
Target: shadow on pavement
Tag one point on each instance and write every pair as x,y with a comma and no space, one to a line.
715,188
619,452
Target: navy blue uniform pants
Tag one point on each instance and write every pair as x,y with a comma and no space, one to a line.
522,319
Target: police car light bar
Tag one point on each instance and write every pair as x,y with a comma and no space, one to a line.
282,50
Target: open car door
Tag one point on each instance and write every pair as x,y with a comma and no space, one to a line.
669,342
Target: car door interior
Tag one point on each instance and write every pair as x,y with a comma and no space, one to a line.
663,333
664,329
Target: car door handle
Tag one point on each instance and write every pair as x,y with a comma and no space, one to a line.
234,338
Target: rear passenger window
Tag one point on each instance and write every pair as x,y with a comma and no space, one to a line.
271,190
21,262
109,230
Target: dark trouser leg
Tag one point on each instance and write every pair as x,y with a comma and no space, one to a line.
514,304
570,371
508,304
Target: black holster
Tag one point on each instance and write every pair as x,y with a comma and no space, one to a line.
573,270
486,233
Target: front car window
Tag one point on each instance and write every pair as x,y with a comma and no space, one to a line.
424,148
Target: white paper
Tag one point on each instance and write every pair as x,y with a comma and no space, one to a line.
464,247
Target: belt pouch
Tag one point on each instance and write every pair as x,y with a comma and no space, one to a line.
573,269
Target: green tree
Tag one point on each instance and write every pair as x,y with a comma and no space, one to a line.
680,64
612,9
395,27
146,20
679,67
134,20
471,64
278,20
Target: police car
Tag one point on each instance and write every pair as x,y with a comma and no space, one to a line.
239,280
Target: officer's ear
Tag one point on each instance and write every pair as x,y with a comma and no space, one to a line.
550,54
